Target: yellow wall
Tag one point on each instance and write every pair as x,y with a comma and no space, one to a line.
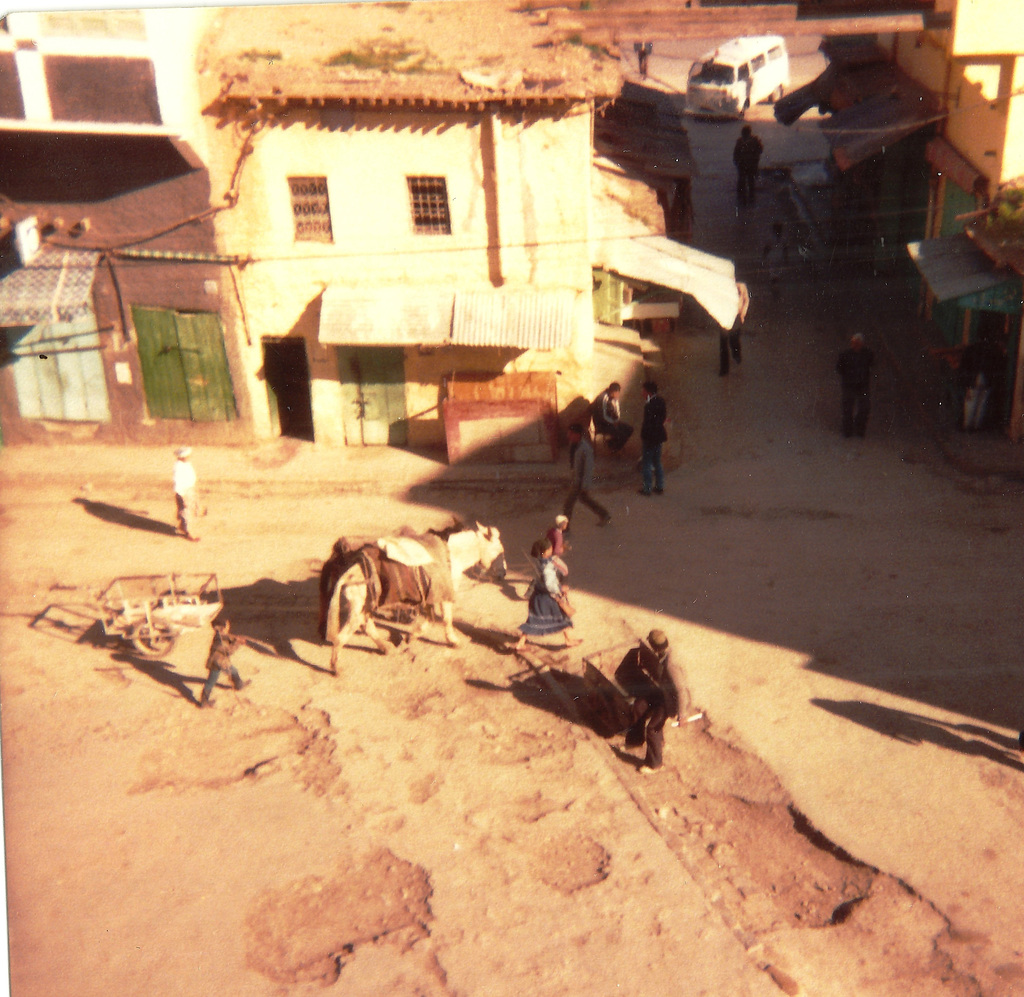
1013,156
532,228
923,56
987,27
977,121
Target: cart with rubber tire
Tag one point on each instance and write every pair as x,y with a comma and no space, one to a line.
150,612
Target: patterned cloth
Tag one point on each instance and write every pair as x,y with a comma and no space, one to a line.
55,287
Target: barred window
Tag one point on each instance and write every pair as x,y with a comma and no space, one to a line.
311,209
429,197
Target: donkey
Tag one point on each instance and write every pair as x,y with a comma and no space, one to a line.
405,570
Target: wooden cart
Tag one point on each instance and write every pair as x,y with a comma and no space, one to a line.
152,611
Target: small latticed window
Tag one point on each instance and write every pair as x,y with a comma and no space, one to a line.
429,196
311,209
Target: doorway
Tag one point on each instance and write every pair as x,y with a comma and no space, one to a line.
286,371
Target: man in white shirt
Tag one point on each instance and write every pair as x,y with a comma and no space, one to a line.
185,493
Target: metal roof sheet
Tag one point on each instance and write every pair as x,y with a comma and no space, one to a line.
862,130
56,286
655,259
526,318
386,316
954,266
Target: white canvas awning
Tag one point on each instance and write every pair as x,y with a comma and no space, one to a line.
655,259
386,316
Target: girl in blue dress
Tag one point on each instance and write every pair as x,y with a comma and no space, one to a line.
546,616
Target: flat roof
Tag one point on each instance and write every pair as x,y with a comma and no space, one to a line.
442,52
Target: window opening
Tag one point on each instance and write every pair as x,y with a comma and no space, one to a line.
429,197
311,209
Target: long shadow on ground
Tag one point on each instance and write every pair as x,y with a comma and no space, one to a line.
125,517
914,729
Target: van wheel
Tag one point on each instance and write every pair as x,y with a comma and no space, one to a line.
776,94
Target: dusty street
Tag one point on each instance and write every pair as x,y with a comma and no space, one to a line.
843,820
840,822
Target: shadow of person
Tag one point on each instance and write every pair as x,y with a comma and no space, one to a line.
561,694
125,517
497,640
273,613
914,729
162,672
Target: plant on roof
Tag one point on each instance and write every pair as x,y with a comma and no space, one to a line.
388,55
254,55
1006,218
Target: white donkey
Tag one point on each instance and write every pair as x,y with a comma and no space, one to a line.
420,571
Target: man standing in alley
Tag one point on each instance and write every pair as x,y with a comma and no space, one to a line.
854,370
652,436
581,462
746,155
185,500
645,675
225,643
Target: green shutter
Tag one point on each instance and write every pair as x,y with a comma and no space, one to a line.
162,374
184,365
205,362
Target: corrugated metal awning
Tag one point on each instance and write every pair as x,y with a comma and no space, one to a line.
949,161
859,132
386,316
528,319
953,267
56,286
655,259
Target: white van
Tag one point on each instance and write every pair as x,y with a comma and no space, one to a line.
742,72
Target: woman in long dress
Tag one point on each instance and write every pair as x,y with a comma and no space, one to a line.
546,616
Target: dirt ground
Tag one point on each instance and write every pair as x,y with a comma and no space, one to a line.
440,821
437,822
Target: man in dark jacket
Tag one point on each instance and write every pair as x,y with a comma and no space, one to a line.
645,674
854,370
581,463
652,435
746,155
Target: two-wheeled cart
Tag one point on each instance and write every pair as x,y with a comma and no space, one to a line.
151,611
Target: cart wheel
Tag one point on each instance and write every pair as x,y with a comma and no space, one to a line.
151,643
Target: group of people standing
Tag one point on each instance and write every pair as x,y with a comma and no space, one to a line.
606,416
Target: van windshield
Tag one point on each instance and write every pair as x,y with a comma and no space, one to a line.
714,72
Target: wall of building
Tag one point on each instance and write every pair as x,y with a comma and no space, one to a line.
987,27
118,285
519,199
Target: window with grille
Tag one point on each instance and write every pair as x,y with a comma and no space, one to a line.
311,209
429,197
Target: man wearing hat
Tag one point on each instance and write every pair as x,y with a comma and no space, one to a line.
645,675
185,493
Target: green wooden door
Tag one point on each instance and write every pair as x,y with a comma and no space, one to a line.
184,365
373,394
